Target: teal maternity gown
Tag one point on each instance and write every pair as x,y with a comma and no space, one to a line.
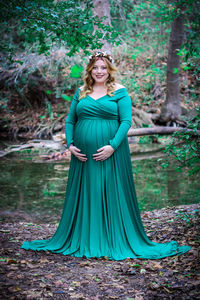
101,215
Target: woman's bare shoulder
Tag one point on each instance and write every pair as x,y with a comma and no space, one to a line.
118,86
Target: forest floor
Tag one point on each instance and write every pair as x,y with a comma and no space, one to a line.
44,275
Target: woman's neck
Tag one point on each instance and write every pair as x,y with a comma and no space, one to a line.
99,86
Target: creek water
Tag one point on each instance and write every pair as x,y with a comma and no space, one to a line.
39,188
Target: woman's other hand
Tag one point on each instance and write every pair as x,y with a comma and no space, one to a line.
104,153
76,152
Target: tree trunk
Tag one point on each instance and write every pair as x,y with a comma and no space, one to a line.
102,9
171,109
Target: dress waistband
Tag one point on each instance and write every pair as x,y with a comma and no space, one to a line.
115,118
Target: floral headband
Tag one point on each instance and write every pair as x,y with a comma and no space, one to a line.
102,54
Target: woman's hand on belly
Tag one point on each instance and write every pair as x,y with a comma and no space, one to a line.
76,152
103,153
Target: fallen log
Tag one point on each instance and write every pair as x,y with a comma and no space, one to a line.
34,144
162,130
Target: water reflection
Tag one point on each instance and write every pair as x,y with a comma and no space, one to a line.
40,187
173,185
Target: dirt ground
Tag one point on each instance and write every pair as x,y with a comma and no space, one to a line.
43,275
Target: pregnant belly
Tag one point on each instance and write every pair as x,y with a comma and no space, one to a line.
91,134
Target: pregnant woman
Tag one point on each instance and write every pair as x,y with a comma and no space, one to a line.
101,215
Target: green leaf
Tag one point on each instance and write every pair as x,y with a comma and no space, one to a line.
135,265
3,259
66,98
186,68
19,61
134,56
175,71
48,92
97,279
76,71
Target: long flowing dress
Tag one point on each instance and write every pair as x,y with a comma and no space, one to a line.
101,215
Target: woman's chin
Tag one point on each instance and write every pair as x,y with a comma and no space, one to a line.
99,80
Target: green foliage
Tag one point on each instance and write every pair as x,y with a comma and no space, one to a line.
49,34
187,151
119,11
149,24
49,110
76,71
145,140
142,28
66,23
48,92
175,71
41,78
146,37
66,98
146,28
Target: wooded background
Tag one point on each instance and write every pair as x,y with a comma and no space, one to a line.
45,46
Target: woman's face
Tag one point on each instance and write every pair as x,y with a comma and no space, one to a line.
99,72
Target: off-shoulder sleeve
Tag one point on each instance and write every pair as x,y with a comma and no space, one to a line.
125,112
71,119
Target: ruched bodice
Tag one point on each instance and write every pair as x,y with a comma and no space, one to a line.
117,108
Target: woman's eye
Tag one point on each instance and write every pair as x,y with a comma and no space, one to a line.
103,68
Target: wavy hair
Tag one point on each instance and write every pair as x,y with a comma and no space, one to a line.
89,81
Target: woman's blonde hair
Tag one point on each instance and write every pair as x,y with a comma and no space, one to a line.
89,81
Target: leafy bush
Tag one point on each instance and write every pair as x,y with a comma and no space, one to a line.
185,146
